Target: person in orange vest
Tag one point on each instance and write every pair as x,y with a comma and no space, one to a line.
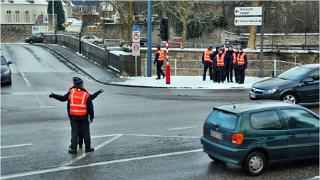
207,63
159,60
219,65
80,109
234,63
242,63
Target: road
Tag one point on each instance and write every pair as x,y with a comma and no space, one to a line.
137,133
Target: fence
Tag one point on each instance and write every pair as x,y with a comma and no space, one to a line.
195,67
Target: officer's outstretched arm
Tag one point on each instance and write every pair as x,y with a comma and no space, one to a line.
58,97
90,109
94,95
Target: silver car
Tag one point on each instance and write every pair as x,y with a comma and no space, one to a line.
91,39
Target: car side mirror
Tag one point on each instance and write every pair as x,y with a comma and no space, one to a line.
308,80
9,62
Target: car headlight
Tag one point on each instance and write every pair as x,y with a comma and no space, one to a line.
7,71
270,91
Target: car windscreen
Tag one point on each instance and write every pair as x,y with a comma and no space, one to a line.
3,61
295,73
223,119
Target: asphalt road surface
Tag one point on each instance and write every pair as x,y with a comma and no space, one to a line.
137,133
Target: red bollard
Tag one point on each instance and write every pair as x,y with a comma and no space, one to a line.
167,73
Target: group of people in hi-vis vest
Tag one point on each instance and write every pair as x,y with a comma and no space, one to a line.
222,63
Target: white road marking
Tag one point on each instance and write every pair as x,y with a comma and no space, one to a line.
64,168
96,148
181,128
101,136
163,136
41,103
17,145
25,79
6,157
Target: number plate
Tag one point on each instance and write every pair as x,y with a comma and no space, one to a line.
252,95
216,135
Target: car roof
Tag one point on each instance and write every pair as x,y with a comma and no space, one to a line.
313,66
246,107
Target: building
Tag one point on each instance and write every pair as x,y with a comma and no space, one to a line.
22,11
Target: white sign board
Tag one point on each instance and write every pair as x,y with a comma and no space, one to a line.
248,21
39,29
136,49
45,18
135,36
248,11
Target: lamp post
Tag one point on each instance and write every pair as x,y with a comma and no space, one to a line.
305,31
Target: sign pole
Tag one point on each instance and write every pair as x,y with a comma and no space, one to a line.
261,68
168,81
149,63
136,65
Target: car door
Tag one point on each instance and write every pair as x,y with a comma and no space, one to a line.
303,132
309,90
268,131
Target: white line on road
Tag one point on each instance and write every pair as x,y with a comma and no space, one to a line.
96,148
17,145
25,79
6,157
162,136
101,136
182,128
63,168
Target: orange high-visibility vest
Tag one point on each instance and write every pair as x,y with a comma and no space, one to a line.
220,60
234,55
161,55
241,60
78,102
206,56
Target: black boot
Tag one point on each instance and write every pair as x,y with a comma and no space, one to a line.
72,151
89,150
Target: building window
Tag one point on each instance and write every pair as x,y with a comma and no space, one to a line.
9,16
34,17
17,14
27,16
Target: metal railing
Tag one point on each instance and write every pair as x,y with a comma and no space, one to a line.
195,68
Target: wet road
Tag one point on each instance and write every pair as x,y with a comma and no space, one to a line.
138,133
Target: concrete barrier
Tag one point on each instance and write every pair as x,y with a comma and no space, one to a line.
121,64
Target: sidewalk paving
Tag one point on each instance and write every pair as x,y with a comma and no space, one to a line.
192,82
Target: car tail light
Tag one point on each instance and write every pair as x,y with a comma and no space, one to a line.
237,138
205,129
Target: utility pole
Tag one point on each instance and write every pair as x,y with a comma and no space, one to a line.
52,6
149,60
261,69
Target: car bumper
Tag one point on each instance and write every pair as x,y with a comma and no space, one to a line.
272,96
224,153
5,78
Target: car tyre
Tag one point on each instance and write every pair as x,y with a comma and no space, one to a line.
30,41
9,83
215,159
290,98
95,42
254,164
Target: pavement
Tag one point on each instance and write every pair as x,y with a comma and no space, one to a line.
137,133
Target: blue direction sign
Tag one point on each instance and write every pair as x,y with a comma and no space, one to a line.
136,28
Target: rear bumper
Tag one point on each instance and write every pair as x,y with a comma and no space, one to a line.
5,78
224,153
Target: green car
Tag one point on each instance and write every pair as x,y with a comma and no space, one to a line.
255,134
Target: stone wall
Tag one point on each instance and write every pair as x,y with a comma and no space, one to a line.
15,32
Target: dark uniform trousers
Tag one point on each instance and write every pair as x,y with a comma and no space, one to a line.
80,126
229,73
206,66
241,74
220,74
159,70
236,74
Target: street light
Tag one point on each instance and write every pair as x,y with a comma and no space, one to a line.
305,31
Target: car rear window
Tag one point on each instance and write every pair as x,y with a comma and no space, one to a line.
223,119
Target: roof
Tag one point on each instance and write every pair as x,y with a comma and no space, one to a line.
86,3
244,107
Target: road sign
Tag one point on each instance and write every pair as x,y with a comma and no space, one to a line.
136,28
45,18
248,11
248,21
136,49
136,36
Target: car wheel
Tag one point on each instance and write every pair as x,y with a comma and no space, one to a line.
95,42
290,98
254,164
9,83
31,42
215,159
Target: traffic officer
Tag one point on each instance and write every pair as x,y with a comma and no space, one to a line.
159,60
219,65
213,58
242,63
229,64
234,63
80,108
207,63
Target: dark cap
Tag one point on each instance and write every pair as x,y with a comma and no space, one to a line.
158,46
77,81
240,48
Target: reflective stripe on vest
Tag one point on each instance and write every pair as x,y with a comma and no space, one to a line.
206,56
220,60
78,102
161,55
241,60
234,55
